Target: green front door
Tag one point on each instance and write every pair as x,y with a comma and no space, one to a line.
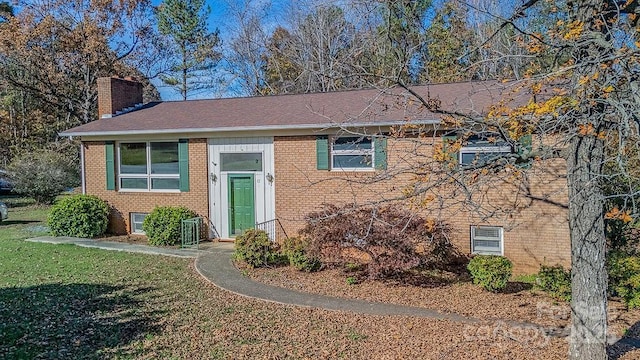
241,203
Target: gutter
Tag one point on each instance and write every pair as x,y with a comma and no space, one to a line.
247,128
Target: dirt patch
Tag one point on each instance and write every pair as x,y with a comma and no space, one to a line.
129,239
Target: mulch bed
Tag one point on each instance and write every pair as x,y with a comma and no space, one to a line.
446,293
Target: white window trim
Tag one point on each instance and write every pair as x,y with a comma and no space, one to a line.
148,175
473,238
131,223
481,149
371,152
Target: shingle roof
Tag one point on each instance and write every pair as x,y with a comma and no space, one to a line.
372,107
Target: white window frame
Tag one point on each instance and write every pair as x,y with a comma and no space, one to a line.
470,149
148,175
485,251
363,152
132,222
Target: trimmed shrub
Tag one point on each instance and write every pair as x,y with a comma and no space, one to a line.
79,215
163,225
556,281
295,249
256,250
490,271
624,278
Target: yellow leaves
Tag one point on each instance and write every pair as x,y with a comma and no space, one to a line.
444,152
589,130
584,80
574,30
426,200
588,78
586,129
608,89
536,88
439,154
535,47
617,214
498,111
430,224
553,106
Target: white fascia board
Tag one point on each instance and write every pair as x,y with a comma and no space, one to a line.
262,128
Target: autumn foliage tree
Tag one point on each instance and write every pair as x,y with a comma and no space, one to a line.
581,109
51,54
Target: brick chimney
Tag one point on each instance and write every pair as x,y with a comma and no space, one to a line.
116,95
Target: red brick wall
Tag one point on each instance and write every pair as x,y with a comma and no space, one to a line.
535,232
115,94
124,203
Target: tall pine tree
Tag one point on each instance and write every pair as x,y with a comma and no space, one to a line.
184,23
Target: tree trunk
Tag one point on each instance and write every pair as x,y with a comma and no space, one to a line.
588,273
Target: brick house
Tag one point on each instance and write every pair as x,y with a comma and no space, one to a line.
241,161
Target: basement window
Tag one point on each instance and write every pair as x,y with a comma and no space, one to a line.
136,222
487,240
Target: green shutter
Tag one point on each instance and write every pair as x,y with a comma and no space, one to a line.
322,153
183,164
524,151
380,148
447,140
110,165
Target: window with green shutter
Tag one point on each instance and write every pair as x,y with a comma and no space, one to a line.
481,151
153,166
352,153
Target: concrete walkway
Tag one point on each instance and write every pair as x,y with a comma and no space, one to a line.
217,267
118,246
214,263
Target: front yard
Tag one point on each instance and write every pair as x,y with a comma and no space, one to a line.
59,301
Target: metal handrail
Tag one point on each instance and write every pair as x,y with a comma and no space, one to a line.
271,227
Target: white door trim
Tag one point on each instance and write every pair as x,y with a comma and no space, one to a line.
218,180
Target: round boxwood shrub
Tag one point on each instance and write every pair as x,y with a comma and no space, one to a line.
163,225
79,215
624,278
556,281
490,271
255,249
295,249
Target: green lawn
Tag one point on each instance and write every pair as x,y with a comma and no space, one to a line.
68,302
63,301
